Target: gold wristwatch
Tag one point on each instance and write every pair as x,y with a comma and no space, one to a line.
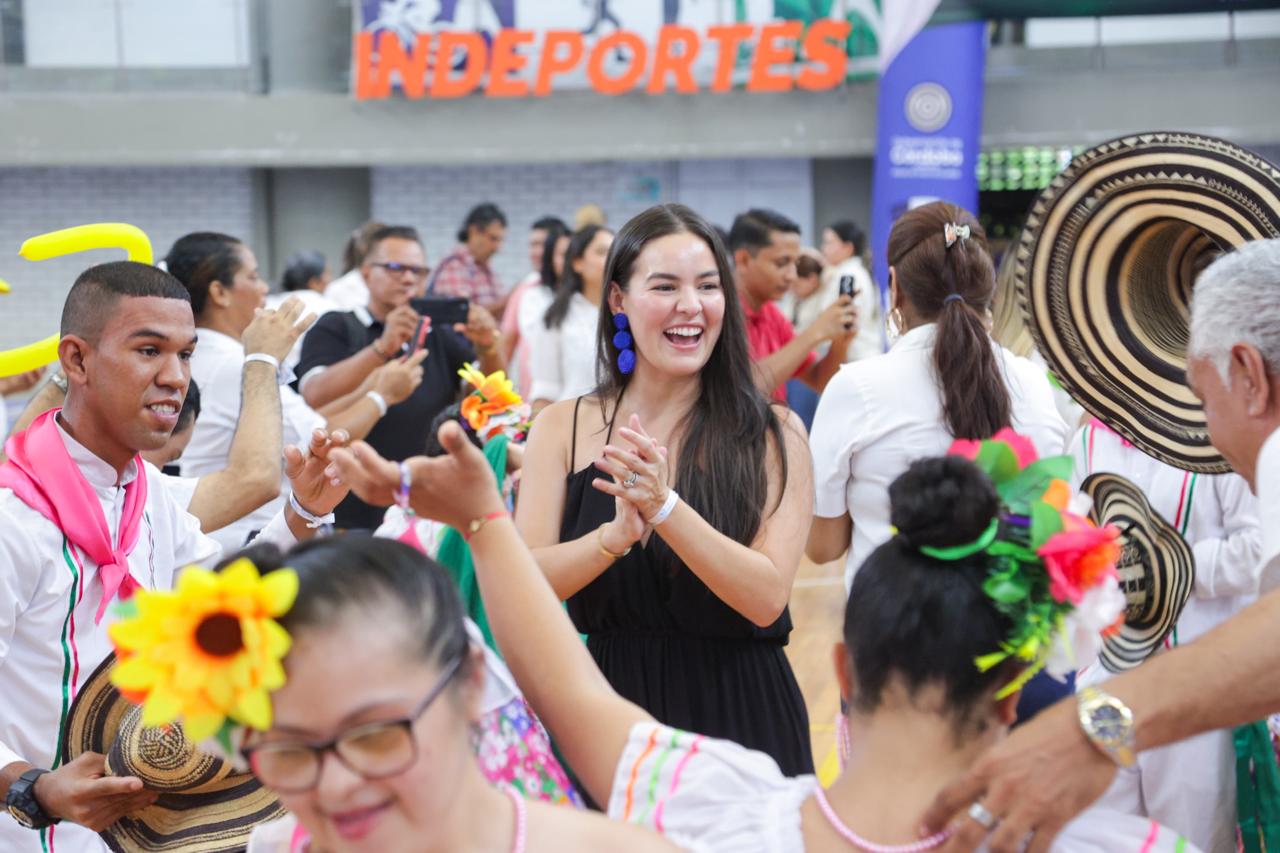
1108,723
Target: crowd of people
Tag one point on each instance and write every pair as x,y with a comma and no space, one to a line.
525,555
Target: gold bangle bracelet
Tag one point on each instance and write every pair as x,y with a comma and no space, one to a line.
605,551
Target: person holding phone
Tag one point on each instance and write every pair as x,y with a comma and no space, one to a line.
344,348
843,243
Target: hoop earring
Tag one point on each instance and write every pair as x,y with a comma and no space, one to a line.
893,324
623,342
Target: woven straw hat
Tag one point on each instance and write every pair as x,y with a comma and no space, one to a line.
206,806
1105,268
1156,569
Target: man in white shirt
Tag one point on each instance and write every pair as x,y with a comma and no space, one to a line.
1049,770
127,337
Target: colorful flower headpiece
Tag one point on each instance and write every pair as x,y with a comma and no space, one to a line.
494,407
208,652
1053,571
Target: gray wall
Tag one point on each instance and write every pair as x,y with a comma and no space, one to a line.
842,190
312,209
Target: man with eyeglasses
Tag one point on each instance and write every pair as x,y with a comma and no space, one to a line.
344,348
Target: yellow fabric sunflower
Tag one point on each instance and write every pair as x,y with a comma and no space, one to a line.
208,652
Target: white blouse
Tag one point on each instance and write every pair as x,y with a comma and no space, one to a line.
563,360
725,797
880,414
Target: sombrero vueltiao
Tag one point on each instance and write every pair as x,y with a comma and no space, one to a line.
1105,268
1156,569
206,805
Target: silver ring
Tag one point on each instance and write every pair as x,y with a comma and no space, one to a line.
630,480
982,817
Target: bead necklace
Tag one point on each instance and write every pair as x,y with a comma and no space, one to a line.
522,819
858,841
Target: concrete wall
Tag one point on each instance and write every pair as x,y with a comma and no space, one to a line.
165,203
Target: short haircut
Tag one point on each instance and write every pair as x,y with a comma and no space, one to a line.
201,258
1236,300
300,268
754,229
95,293
546,223
190,408
481,216
391,232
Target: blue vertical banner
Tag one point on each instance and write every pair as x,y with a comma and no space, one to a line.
929,120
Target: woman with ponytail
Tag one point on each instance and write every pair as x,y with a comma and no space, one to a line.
944,378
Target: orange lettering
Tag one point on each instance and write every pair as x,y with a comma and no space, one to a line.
444,84
728,39
769,53
553,65
606,85
667,61
412,66
366,85
506,61
824,44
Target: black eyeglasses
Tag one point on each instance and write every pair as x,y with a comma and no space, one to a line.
373,750
396,269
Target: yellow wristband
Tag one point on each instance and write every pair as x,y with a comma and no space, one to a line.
605,551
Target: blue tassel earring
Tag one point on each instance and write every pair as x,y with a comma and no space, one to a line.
622,340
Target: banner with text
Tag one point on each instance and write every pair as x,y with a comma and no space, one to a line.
527,48
929,120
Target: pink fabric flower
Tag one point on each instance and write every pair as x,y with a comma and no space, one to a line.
1023,450
1079,558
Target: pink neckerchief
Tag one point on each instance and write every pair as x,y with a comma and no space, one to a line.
43,476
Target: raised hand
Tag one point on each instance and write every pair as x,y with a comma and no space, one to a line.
480,328
397,379
644,458
839,320
20,382
275,331
398,328
315,491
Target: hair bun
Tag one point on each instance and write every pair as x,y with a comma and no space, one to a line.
942,502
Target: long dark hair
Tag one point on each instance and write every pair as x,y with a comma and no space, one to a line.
975,399
921,620
570,279
556,230
722,472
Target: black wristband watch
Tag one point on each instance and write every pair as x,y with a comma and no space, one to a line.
23,805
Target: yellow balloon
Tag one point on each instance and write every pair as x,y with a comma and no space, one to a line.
103,235
4,286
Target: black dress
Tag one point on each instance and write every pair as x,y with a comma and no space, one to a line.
666,642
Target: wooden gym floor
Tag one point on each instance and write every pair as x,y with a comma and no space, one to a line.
817,612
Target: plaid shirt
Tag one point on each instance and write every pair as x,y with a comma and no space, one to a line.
460,274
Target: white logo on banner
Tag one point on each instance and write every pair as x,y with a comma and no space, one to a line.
928,107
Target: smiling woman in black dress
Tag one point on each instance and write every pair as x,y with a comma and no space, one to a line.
670,507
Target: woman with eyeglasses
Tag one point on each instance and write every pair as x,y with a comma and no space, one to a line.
371,743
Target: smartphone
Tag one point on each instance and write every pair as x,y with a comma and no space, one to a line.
444,311
848,289
419,339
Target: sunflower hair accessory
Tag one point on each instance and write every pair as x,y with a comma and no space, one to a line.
208,652
494,407
1052,571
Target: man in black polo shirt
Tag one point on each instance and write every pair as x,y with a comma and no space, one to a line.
343,348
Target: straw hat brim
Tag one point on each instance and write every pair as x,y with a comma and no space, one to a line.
1105,268
206,806
1156,568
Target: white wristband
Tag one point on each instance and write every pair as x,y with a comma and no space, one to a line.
265,358
668,506
314,522
379,401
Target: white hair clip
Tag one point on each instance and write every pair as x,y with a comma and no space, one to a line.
952,232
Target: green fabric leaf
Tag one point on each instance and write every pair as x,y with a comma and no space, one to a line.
1032,481
998,460
1045,522
1006,588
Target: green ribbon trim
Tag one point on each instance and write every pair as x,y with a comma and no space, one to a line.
1257,788
959,552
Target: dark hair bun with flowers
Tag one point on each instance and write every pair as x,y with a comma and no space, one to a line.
942,502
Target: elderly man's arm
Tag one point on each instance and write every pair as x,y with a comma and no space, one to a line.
1046,772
